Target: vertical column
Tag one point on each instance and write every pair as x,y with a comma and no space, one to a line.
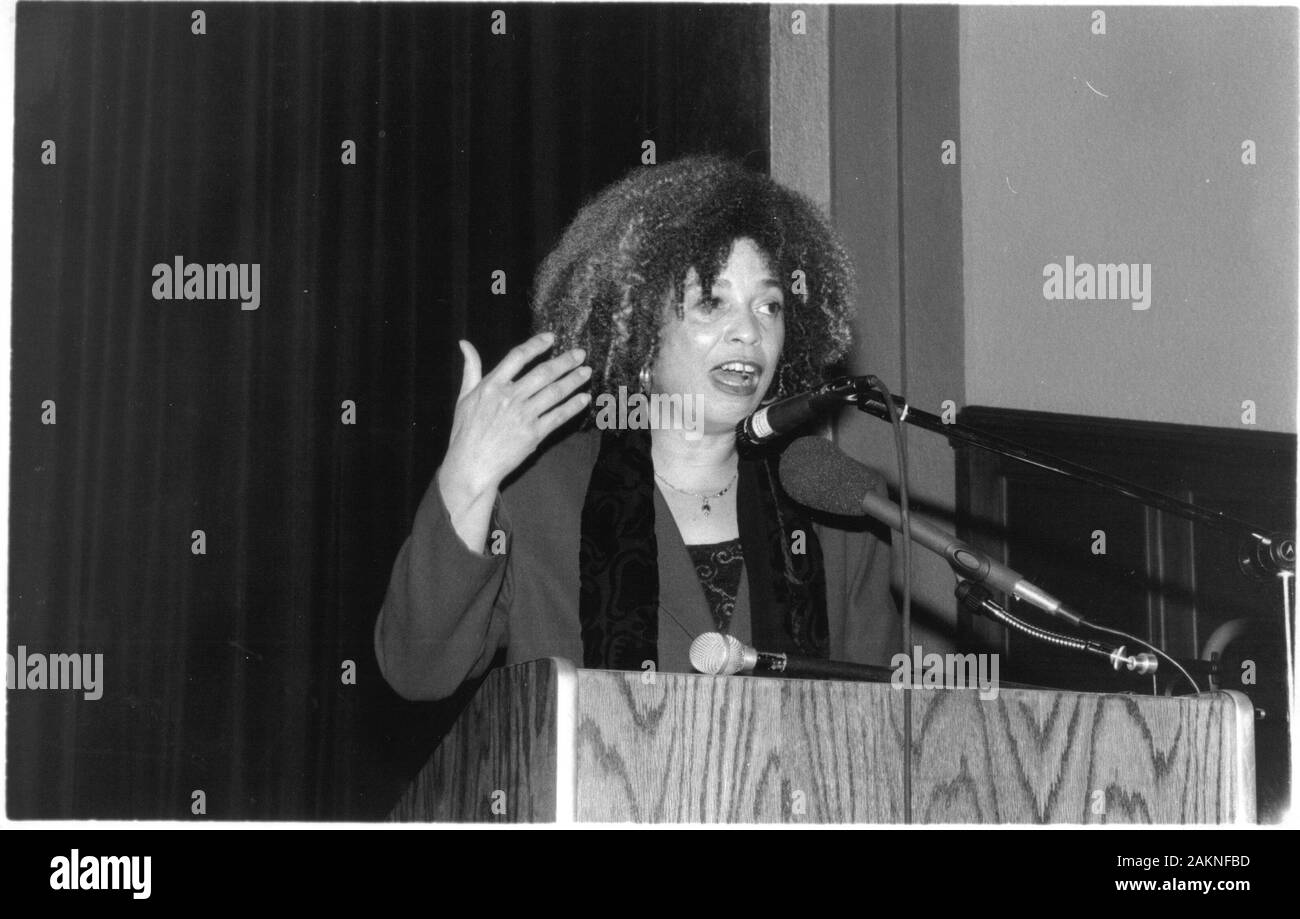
799,88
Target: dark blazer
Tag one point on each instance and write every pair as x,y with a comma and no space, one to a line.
449,609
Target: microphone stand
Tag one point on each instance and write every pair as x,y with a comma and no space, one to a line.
978,599
1263,554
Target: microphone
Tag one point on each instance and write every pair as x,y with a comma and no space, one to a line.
724,655
815,473
976,597
793,412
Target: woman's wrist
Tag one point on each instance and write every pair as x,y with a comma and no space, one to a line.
469,505
464,487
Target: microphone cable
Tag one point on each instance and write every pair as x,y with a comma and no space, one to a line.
1105,628
977,597
900,453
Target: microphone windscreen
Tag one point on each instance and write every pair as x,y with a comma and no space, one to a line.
819,475
717,654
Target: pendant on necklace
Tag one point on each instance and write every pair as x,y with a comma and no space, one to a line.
705,507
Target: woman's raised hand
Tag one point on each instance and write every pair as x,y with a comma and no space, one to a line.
501,421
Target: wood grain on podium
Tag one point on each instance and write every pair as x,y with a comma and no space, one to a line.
696,749
1058,757
498,763
545,742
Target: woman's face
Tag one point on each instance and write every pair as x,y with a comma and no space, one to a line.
725,349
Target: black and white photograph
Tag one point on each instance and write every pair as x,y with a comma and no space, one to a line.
652,414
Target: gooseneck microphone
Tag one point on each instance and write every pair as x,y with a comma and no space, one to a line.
793,412
817,474
976,597
716,654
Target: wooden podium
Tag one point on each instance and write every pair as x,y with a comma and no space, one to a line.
546,742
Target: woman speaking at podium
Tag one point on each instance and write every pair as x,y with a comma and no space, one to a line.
702,290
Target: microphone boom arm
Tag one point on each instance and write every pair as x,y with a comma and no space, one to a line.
1268,553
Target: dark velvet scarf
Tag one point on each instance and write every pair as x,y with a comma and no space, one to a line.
619,559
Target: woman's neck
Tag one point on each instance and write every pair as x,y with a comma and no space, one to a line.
695,463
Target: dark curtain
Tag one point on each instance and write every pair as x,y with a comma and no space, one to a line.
223,671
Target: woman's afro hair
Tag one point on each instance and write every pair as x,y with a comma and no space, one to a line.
606,285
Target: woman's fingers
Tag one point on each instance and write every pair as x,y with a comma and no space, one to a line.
563,413
518,357
553,393
534,382
499,422
472,372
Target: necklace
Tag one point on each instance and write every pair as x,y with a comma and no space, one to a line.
704,499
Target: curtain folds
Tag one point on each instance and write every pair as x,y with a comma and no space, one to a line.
223,672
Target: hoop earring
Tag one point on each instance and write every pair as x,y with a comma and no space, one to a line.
644,376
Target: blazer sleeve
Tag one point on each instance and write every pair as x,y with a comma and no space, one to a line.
445,612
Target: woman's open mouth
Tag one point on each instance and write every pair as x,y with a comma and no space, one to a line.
736,378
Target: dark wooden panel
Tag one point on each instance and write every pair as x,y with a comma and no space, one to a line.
1162,578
